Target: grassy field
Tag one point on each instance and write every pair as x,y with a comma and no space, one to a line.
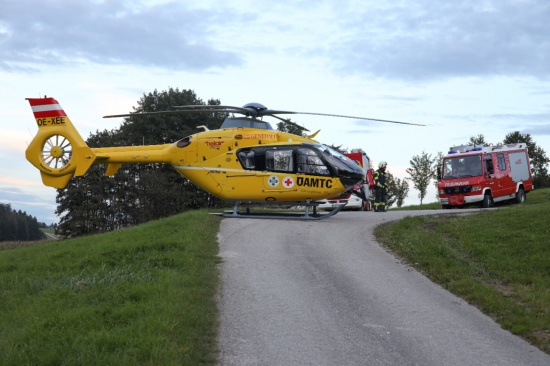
143,295
147,294
498,260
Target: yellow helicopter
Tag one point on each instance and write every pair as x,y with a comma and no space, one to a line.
245,161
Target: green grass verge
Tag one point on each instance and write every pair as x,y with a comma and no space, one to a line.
147,295
498,261
143,295
425,206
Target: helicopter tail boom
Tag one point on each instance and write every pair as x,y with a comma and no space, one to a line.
57,150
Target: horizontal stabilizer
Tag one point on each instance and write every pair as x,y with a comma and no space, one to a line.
56,182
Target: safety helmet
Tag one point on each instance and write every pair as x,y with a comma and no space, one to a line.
382,164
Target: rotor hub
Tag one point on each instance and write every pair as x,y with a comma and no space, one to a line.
255,106
56,152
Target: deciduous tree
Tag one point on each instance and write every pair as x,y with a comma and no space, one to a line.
398,190
421,172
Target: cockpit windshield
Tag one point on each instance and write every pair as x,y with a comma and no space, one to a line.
339,160
462,167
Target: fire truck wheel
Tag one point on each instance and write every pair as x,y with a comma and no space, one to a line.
487,201
520,196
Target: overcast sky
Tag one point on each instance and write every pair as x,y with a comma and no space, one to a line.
463,68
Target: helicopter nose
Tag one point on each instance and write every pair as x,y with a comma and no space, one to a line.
350,182
352,177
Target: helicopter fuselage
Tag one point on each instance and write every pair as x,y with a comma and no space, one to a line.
248,164
244,160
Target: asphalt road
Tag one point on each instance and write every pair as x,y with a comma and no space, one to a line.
326,293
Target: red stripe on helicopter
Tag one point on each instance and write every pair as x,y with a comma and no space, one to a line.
46,107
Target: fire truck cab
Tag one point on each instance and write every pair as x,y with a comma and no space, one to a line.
484,174
360,197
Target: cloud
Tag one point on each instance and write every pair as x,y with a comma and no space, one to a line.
534,117
537,130
33,204
427,40
417,40
170,36
535,124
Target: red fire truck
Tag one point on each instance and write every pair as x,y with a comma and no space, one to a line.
361,197
484,174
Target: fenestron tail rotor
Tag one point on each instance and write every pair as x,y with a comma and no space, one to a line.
57,152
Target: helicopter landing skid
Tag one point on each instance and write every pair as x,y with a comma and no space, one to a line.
310,212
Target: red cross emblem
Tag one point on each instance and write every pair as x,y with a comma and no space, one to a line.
288,182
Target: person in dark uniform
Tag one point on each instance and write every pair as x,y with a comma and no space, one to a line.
380,186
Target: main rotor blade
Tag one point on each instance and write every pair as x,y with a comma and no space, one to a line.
249,112
171,112
214,108
272,112
354,117
193,109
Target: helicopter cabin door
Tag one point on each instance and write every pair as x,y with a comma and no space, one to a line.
281,161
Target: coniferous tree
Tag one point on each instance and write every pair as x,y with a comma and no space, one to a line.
18,225
478,140
291,127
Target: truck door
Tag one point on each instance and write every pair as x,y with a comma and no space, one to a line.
490,173
501,177
508,185
519,166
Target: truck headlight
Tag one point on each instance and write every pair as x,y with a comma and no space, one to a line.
476,188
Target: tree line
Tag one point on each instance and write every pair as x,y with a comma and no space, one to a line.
18,226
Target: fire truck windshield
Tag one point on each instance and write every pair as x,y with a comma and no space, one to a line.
462,167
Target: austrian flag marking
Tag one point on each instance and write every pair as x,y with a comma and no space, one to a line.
288,182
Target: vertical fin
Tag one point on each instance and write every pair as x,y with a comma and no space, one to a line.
57,150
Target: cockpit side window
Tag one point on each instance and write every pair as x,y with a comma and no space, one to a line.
247,159
308,162
184,141
288,159
279,160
